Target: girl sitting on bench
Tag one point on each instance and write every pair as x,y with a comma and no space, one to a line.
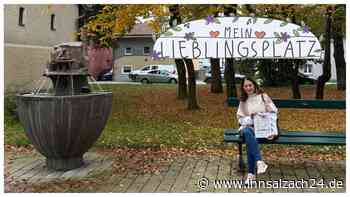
253,101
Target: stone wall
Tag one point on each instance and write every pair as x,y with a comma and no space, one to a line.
24,65
27,47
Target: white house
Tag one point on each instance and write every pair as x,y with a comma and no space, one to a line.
314,69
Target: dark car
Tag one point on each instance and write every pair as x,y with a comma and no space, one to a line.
304,79
108,76
208,78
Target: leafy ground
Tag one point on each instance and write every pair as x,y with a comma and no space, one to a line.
148,127
150,116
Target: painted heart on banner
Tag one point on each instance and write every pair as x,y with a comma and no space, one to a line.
214,34
260,34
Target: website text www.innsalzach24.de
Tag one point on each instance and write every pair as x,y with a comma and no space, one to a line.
205,183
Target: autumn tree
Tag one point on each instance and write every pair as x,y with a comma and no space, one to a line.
229,73
192,103
294,66
175,19
326,75
215,83
291,67
113,21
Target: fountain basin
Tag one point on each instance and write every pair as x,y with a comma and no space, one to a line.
63,128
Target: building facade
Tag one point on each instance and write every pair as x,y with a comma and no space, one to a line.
134,51
314,69
30,32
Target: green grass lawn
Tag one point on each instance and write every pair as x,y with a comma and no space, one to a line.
151,116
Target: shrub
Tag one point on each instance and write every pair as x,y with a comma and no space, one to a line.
10,112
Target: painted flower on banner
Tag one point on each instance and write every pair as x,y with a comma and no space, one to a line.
285,36
189,36
209,19
155,55
306,29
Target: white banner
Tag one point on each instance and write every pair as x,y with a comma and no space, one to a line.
237,37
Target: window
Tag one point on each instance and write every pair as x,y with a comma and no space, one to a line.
153,72
52,26
308,68
146,50
128,51
126,69
154,67
145,68
21,16
164,72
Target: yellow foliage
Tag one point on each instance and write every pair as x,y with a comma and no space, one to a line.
115,20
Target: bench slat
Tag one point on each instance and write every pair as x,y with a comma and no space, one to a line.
298,103
296,133
295,140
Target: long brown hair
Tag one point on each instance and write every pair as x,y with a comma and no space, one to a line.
244,95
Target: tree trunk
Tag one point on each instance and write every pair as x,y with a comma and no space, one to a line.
340,61
216,84
229,73
295,81
321,81
182,84
175,19
339,50
231,90
295,68
192,96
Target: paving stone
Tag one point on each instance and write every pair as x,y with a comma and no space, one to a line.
237,176
197,174
314,177
184,176
17,175
112,183
41,176
290,177
125,183
171,175
276,173
139,182
338,170
224,172
302,175
35,171
153,183
211,173
19,163
106,165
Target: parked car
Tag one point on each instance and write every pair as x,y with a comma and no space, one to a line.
156,76
305,79
208,78
168,67
106,76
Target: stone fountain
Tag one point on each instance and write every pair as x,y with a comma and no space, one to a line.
64,122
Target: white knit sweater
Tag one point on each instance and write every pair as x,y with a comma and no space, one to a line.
255,104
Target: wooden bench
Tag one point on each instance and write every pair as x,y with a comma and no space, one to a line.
293,137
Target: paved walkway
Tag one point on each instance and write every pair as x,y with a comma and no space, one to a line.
184,174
